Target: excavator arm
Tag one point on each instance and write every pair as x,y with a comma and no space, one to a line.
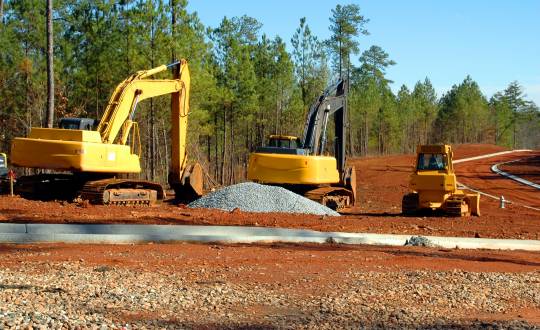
129,93
119,113
332,102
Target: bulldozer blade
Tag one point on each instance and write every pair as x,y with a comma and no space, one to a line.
191,185
474,203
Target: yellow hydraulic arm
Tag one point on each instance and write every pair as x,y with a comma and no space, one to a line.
123,102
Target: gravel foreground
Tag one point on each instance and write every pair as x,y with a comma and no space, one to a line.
254,197
73,295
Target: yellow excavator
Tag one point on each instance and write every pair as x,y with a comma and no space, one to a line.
302,164
99,158
434,185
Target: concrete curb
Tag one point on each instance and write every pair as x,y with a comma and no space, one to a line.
125,234
495,168
489,155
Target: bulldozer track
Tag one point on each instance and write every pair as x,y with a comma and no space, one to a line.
456,206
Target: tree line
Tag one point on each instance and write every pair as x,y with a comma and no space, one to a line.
245,84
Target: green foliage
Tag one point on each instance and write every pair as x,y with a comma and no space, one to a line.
244,84
310,63
346,24
375,61
464,115
512,115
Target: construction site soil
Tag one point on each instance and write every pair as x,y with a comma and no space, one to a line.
382,181
269,286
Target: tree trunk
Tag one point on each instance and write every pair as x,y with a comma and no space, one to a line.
232,177
173,27
340,53
349,128
216,153
152,121
50,66
152,142
224,147
1,12
166,146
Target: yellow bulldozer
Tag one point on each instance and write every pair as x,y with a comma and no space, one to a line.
434,185
97,159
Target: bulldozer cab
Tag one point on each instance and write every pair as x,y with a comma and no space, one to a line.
434,158
432,162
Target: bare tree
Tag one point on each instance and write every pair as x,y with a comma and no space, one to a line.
50,66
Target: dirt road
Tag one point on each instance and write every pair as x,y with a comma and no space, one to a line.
478,175
382,181
527,168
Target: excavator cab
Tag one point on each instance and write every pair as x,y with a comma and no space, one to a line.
284,141
282,144
87,124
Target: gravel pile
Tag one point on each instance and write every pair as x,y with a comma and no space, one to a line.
253,197
419,241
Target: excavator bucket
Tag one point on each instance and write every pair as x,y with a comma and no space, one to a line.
191,185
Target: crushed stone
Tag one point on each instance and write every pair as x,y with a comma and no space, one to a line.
254,197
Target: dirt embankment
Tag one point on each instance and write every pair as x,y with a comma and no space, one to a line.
382,181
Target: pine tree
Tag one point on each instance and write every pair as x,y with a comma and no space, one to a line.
346,25
310,63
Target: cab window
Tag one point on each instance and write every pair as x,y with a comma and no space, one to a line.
434,162
283,143
2,161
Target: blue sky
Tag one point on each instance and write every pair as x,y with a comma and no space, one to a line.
494,41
